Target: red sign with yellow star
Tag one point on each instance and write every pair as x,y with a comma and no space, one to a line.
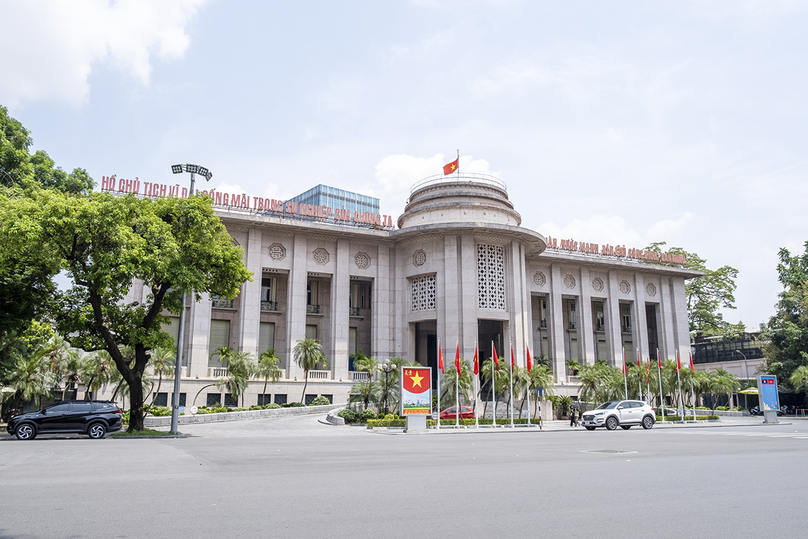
416,391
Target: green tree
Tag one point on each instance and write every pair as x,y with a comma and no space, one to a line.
98,369
799,379
465,382
163,362
107,245
540,377
786,335
722,383
498,378
69,370
308,354
707,295
267,368
366,392
29,380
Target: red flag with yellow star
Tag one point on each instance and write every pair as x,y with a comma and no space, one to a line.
451,167
529,359
440,359
496,359
457,360
476,360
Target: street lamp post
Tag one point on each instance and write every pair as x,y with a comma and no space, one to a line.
175,400
387,368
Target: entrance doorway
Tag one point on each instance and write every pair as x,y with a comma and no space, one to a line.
426,347
489,331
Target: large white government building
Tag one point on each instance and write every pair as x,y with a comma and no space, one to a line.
457,266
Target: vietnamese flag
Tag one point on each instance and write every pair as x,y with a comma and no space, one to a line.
440,359
692,368
451,167
625,364
658,359
648,367
513,361
416,380
457,360
476,360
678,363
638,360
529,360
496,359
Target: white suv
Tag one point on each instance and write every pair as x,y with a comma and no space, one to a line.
624,414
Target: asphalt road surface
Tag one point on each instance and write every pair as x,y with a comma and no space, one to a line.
297,478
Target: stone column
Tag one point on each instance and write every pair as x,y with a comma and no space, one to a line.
382,291
586,332
404,340
198,336
556,322
518,301
340,293
250,300
641,325
680,320
296,310
668,337
468,295
450,280
614,335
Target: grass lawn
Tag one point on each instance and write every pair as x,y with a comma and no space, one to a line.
144,432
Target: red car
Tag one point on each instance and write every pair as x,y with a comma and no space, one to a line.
466,412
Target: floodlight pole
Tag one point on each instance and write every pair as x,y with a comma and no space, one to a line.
175,400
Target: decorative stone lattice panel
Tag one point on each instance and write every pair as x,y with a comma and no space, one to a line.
423,293
597,284
539,278
650,288
277,251
321,256
419,258
490,277
625,287
362,260
569,281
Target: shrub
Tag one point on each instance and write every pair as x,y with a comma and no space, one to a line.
238,410
722,408
159,411
390,416
292,405
256,407
347,414
687,418
125,417
320,401
386,423
272,406
366,415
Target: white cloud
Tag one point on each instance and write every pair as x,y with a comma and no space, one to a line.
57,44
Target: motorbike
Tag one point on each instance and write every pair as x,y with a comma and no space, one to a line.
755,410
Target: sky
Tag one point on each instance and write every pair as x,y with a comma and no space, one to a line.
610,122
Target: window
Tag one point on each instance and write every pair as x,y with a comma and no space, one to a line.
172,327
264,399
280,398
310,399
182,398
82,407
543,316
219,338
352,342
625,318
331,397
59,408
162,399
213,399
311,332
229,400
573,318
266,336
573,352
600,320
269,293
312,292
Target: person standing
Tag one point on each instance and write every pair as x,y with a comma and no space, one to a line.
573,421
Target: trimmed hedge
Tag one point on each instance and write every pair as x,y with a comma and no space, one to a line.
447,422
687,418
386,423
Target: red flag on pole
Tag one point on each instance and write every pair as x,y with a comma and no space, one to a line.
476,360
625,364
648,367
678,363
513,360
529,360
451,167
457,360
638,359
658,359
692,368
440,358
496,359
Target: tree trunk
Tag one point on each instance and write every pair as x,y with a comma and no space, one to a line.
136,405
303,396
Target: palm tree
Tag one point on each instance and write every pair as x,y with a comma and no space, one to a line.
723,383
500,382
268,368
465,383
239,371
595,379
540,376
98,368
163,362
365,391
29,380
308,353
69,369
369,364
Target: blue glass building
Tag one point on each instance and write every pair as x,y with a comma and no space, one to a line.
323,195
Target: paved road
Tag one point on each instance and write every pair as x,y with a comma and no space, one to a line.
297,478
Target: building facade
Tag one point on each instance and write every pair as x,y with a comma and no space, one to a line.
457,268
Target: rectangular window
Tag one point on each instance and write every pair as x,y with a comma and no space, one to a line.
311,332
162,399
264,399
172,327
312,292
625,318
573,350
603,353
331,397
545,348
280,398
182,399
310,398
266,336
213,399
353,299
600,320
572,315
229,400
269,288
543,314
219,338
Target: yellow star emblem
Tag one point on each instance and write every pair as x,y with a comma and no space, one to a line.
416,380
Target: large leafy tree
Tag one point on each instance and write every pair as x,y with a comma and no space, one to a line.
108,244
786,337
707,295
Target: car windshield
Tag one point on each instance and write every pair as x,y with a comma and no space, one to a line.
607,405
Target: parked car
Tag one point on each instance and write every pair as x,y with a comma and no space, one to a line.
624,414
93,418
466,412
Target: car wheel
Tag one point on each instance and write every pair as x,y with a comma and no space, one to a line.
26,431
625,427
97,431
647,422
611,423
590,428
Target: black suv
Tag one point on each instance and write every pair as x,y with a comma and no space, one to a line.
93,418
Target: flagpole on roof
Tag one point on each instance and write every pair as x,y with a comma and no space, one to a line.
458,162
